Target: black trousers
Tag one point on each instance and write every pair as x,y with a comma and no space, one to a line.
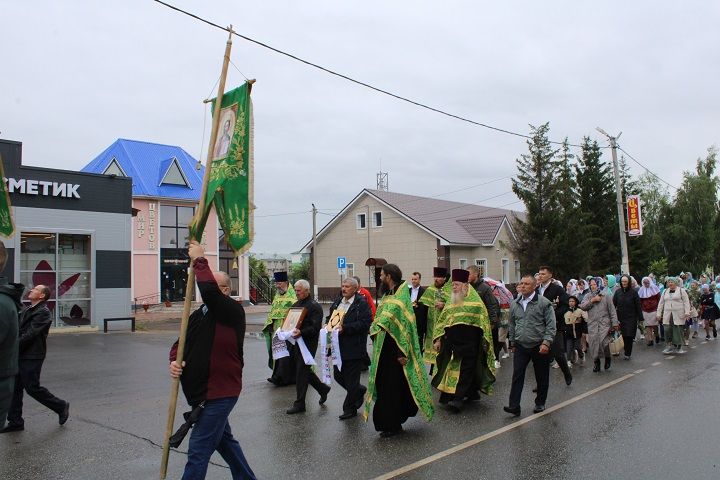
349,379
28,379
7,388
304,376
541,365
557,350
628,344
497,346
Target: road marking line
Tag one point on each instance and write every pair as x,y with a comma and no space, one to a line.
639,371
475,441
669,357
694,346
655,364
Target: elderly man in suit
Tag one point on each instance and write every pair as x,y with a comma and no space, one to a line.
350,314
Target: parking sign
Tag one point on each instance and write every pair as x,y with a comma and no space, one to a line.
341,262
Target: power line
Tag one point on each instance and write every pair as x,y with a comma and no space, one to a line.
358,82
647,169
282,214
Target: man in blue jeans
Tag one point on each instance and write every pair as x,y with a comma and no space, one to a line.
211,373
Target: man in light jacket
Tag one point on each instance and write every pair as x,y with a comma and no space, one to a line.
531,333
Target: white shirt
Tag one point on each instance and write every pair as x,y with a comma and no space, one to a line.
544,286
525,300
414,291
345,304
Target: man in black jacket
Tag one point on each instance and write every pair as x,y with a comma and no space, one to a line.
35,322
420,310
350,314
309,332
491,303
10,295
559,298
211,371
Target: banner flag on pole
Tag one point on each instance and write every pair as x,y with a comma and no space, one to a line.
7,227
230,187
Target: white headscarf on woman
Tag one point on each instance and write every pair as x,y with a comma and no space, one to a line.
650,290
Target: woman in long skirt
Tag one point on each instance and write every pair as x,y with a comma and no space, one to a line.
601,321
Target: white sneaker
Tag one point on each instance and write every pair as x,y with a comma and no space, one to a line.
555,365
681,351
497,364
570,364
505,355
668,350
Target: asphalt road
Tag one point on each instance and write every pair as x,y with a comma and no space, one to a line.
652,417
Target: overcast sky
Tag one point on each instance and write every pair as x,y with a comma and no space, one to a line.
77,75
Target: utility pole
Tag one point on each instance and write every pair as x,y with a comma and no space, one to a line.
367,224
625,265
314,253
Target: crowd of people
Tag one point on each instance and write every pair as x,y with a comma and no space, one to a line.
451,336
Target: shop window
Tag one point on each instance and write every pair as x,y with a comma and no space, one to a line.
360,221
61,262
174,221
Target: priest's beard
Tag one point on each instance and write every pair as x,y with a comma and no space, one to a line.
385,289
457,298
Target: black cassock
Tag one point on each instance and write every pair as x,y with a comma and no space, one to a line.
463,341
284,370
394,403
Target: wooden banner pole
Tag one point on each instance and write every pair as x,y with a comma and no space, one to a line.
172,406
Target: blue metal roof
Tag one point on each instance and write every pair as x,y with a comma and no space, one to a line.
146,163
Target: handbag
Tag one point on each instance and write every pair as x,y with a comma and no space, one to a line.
617,344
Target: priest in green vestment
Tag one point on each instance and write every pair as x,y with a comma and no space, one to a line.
463,340
435,297
283,368
397,384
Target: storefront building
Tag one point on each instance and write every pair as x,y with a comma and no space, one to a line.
72,234
166,188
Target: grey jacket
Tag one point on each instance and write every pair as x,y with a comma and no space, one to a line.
533,326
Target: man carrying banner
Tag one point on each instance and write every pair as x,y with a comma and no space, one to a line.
434,298
398,383
350,316
211,374
305,346
283,369
463,338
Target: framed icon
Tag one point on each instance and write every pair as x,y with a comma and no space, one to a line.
294,319
335,320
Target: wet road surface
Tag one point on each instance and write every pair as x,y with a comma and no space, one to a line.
652,417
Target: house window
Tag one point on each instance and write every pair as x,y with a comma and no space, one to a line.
482,265
350,272
517,271
360,221
377,219
463,263
505,270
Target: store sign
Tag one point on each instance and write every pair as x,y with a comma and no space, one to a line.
141,226
634,216
42,187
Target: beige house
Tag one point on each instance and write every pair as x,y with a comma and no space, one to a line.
417,234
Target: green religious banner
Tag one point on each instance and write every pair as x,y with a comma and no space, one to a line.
7,228
230,187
